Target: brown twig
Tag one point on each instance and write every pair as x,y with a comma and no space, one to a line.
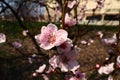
24,28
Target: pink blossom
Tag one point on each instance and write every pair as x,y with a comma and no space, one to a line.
16,44
25,32
118,61
2,38
30,60
69,21
54,61
100,33
50,36
84,42
65,47
71,3
34,74
41,68
97,66
106,69
65,62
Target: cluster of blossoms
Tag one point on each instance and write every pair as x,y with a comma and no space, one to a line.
53,38
107,69
65,60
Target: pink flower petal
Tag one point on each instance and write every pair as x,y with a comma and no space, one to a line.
61,37
69,21
54,61
41,68
71,4
64,48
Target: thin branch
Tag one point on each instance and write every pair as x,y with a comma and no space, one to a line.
23,27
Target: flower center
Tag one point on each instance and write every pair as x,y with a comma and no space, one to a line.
51,39
63,46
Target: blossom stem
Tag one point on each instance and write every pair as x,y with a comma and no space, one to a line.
63,14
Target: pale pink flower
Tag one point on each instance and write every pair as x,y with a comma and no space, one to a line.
34,55
16,44
41,68
25,32
54,61
30,60
106,69
91,40
100,33
50,36
84,42
2,38
66,62
63,66
118,61
69,21
34,74
71,3
65,47
97,66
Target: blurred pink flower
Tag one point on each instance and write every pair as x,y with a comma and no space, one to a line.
71,3
106,69
65,47
69,21
66,62
54,61
50,36
16,44
41,68
2,38
118,61
25,32
69,62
